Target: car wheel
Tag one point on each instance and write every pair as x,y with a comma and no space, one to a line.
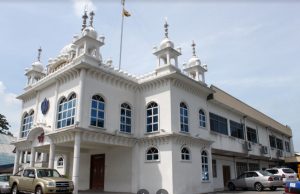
38,190
231,187
14,189
273,188
258,187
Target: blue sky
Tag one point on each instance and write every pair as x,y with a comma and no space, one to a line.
251,48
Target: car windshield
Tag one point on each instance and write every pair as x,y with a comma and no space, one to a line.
47,173
265,173
288,170
273,171
4,178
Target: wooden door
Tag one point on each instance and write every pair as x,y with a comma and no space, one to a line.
226,175
97,172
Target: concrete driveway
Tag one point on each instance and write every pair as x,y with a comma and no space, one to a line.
266,191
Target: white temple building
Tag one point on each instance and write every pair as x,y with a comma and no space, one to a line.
109,130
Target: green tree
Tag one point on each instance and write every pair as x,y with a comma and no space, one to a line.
4,125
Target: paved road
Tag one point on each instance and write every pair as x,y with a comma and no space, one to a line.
267,191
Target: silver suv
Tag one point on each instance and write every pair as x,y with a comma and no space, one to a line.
287,174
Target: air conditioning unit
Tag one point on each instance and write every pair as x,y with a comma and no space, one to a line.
248,145
279,153
264,150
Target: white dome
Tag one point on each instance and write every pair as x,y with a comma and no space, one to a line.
37,66
90,31
194,61
68,48
166,42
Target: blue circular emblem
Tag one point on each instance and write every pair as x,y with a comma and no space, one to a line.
45,106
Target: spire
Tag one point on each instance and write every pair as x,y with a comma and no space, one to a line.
84,17
194,50
166,28
39,54
91,18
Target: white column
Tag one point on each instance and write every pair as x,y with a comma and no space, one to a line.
32,157
76,161
135,168
36,107
168,59
25,157
65,163
54,120
17,161
52,155
79,116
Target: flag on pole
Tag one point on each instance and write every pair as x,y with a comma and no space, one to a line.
126,13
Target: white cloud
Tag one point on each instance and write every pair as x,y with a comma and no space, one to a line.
10,107
81,5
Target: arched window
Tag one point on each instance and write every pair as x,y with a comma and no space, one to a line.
125,120
204,157
185,154
152,117
27,123
184,119
66,111
97,111
60,162
202,118
152,154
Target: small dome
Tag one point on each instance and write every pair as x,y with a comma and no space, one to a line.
37,66
67,49
194,61
90,31
166,42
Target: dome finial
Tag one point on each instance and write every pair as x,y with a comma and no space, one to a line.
84,17
39,53
166,27
194,50
92,18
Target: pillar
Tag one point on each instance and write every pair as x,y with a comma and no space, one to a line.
51,155
135,168
65,163
25,157
17,161
32,157
76,161
80,116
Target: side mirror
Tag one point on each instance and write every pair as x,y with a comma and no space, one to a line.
31,176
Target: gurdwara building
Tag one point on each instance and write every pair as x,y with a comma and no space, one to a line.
109,130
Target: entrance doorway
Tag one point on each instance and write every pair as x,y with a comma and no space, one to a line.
97,172
226,175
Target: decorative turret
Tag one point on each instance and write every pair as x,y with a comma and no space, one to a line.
89,43
165,52
36,72
193,67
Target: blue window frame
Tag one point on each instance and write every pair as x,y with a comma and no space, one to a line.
66,111
184,118
202,118
152,154
251,135
152,117
205,172
125,120
236,129
218,123
27,123
97,111
185,154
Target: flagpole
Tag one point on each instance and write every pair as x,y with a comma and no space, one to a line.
120,56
